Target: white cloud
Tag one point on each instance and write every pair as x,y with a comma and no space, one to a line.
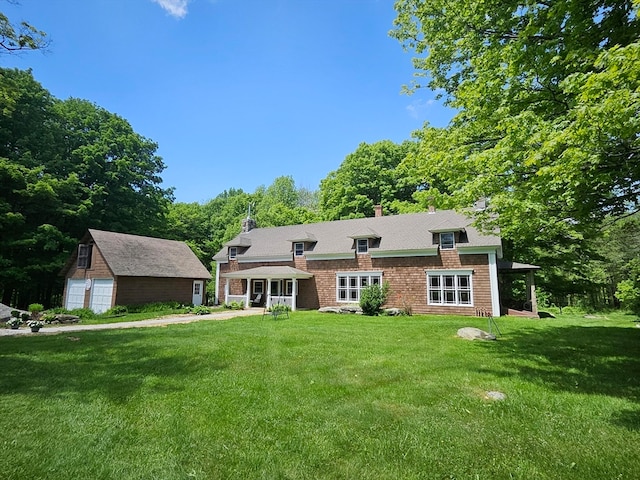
418,108
175,8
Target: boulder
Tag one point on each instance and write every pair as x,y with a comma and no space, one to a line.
351,309
330,310
495,395
5,312
472,333
66,318
393,312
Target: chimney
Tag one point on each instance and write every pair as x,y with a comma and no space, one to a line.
432,209
378,210
248,224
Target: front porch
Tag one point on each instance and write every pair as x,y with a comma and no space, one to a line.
266,286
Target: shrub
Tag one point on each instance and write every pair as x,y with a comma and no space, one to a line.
200,310
83,313
373,297
235,305
116,310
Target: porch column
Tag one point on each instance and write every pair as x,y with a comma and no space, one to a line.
531,292
294,294
226,291
216,295
247,295
268,304
493,282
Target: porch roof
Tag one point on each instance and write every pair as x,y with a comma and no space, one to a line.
275,272
507,265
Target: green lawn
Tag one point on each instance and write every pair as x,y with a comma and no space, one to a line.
324,397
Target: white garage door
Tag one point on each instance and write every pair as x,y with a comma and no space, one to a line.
101,293
75,294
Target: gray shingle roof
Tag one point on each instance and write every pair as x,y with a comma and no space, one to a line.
137,256
397,233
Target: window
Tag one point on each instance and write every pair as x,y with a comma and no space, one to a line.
289,288
84,256
258,286
447,240
363,245
298,248
349,285
196,288
449,288
233,252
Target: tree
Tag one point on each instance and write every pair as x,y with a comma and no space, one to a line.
14,38
66,166
548,124
367,177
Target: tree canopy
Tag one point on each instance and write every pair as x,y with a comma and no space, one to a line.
66,166
548,98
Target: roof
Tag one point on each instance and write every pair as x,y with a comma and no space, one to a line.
515,266
137,256
275,272
396,235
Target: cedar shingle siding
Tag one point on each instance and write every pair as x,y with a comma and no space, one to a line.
143,269
403,247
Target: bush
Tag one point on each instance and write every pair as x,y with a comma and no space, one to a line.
373,297
200,310
234,305
116,310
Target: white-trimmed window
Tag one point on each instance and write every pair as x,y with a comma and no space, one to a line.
450,288
84,256
233,252
288,288
298,248
349,284
258,286
447,240
363,245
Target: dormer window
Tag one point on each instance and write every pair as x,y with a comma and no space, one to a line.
84,256
447,240
298,249
363,245
233,253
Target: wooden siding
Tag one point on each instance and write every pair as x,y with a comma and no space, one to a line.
141,290
406,276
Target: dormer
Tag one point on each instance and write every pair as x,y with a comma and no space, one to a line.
237,246
447,235
302,243
364,240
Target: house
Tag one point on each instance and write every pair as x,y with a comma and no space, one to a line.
111,268
434,262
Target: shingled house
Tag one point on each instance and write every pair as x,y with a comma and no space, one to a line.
434,262
111,269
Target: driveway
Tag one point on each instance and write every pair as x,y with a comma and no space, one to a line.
153,322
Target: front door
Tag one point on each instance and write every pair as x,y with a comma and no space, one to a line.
197,292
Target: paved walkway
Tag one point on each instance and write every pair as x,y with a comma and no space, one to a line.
153,322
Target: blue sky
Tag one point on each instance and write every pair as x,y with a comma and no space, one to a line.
235,92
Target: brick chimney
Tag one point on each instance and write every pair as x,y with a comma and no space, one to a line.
378,210
248,224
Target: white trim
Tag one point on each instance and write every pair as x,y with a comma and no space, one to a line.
403,253
216,300
234,255
365,244
462,250
493,281
295,250
358,275
329,256
455,273
453,240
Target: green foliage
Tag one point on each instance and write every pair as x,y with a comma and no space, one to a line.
367,177
234,305
154,307
36,308
14,38
65,166
547,126
628,291
116,310
373,297
199,310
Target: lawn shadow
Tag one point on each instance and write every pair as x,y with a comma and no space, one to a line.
589,359
113,364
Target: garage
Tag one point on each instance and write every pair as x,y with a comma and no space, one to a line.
75,294
101,295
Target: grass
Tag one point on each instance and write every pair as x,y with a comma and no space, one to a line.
325,397
95,319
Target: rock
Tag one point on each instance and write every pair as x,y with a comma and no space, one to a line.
66,318
329,310
499,396
5,312
351,309
472,333
393,312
